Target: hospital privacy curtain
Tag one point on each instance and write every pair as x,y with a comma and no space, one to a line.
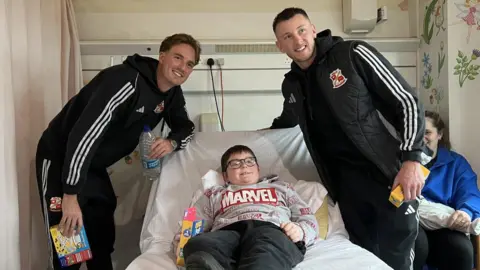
39,70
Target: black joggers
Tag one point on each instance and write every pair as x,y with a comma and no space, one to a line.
444,249
97,201
245,245
372,221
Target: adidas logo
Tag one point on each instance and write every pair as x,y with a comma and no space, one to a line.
410,210
140,110
292,99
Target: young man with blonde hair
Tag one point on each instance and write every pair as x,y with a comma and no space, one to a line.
101,125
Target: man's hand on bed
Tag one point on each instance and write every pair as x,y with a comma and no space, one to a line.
161,147
410,179
71,221
293,231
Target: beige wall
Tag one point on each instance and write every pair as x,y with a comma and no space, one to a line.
248,19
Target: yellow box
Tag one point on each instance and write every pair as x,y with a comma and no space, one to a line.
190,228
397,197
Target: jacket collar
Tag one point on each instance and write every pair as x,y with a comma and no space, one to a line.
444,157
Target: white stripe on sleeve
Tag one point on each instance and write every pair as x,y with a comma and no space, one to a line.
406,99
94,132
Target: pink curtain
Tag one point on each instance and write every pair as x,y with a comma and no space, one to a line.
40,70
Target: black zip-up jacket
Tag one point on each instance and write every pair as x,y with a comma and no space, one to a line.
103,122
357,83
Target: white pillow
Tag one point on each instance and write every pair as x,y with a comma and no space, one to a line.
210,179
312,192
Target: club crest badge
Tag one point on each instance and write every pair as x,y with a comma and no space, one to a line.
160,107
338,79
55,204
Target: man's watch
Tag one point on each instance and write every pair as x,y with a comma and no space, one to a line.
174,144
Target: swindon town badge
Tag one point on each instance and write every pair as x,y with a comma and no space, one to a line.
160,107
338,79
55,204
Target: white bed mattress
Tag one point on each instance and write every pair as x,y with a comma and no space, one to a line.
335,253
278,151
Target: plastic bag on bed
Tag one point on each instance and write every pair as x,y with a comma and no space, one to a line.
434,216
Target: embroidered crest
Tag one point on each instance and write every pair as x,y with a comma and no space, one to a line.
55,204
160,107
338,79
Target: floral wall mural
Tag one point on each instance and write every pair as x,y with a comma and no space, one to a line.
427,79
433,77
449,68
433,20
449,30
464,44
464,68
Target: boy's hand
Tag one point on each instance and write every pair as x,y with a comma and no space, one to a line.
293,231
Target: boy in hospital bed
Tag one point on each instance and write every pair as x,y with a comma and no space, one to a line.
251,222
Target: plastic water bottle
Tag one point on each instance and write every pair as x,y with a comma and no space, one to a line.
151,167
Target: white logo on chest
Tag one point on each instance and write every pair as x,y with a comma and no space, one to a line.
255,196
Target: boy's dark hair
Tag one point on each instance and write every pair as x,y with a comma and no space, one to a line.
234,150
181,38
286,15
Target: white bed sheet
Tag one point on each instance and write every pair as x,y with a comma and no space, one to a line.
335,253
278,151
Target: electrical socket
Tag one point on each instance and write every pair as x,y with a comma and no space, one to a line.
288,60
220,61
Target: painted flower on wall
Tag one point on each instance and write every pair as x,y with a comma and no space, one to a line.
427,22
427,79
434,18
441,59
464,68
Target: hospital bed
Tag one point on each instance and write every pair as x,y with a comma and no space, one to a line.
282,152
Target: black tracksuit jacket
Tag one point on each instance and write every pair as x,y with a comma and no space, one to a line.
103,122
355,83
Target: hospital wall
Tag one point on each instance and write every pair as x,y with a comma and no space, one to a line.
214,19
251,81
449,67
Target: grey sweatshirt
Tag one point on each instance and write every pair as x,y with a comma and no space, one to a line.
270,200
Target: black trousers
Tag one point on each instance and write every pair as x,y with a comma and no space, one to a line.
97,201
444,249
248,245
372,221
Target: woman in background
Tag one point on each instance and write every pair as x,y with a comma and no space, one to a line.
453,183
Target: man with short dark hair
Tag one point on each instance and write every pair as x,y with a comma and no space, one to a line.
335,91
101,125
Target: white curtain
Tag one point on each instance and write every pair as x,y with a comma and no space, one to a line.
40,70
